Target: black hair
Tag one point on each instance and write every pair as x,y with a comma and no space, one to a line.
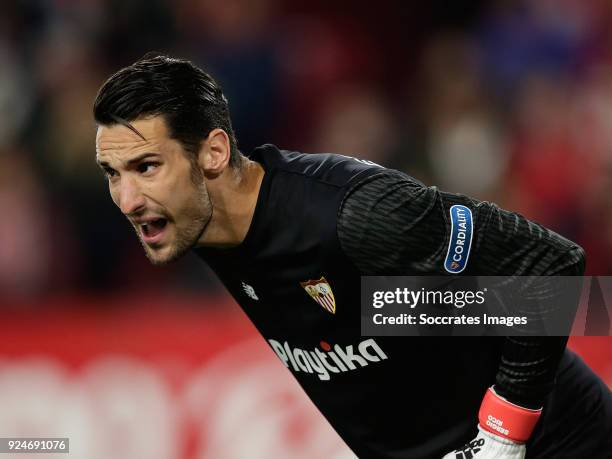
189,99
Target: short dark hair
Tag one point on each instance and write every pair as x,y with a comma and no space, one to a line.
189,99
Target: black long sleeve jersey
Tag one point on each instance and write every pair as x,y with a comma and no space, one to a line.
321,222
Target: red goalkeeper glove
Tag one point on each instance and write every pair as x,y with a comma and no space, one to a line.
503,430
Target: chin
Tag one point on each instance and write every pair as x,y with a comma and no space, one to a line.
159,261
160,257
169,250
164,255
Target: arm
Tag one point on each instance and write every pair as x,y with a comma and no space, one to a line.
392,225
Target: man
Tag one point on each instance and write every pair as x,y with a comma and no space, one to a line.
282,229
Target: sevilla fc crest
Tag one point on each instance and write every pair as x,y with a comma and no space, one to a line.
321,292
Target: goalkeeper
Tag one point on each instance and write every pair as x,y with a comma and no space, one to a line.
290,236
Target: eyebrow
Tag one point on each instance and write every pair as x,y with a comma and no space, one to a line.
130,162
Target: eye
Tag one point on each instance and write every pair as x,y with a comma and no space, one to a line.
110,173
146,167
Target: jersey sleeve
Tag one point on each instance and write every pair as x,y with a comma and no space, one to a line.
390,224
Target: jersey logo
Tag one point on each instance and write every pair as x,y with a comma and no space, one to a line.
461,239
250,291
321,292
331,359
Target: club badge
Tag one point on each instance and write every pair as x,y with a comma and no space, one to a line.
321,292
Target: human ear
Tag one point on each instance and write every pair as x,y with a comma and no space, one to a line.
215,152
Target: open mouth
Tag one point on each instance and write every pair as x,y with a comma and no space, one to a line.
153,230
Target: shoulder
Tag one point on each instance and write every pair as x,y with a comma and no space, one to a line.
332,169
385,190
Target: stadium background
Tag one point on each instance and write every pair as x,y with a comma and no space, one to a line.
505,101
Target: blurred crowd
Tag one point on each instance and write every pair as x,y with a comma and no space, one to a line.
506,101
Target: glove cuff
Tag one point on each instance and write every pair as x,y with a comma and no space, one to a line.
507,420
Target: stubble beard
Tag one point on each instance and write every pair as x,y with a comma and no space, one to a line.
198,214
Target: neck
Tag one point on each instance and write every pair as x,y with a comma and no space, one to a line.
233,196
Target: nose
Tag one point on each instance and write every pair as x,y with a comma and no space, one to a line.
129,199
